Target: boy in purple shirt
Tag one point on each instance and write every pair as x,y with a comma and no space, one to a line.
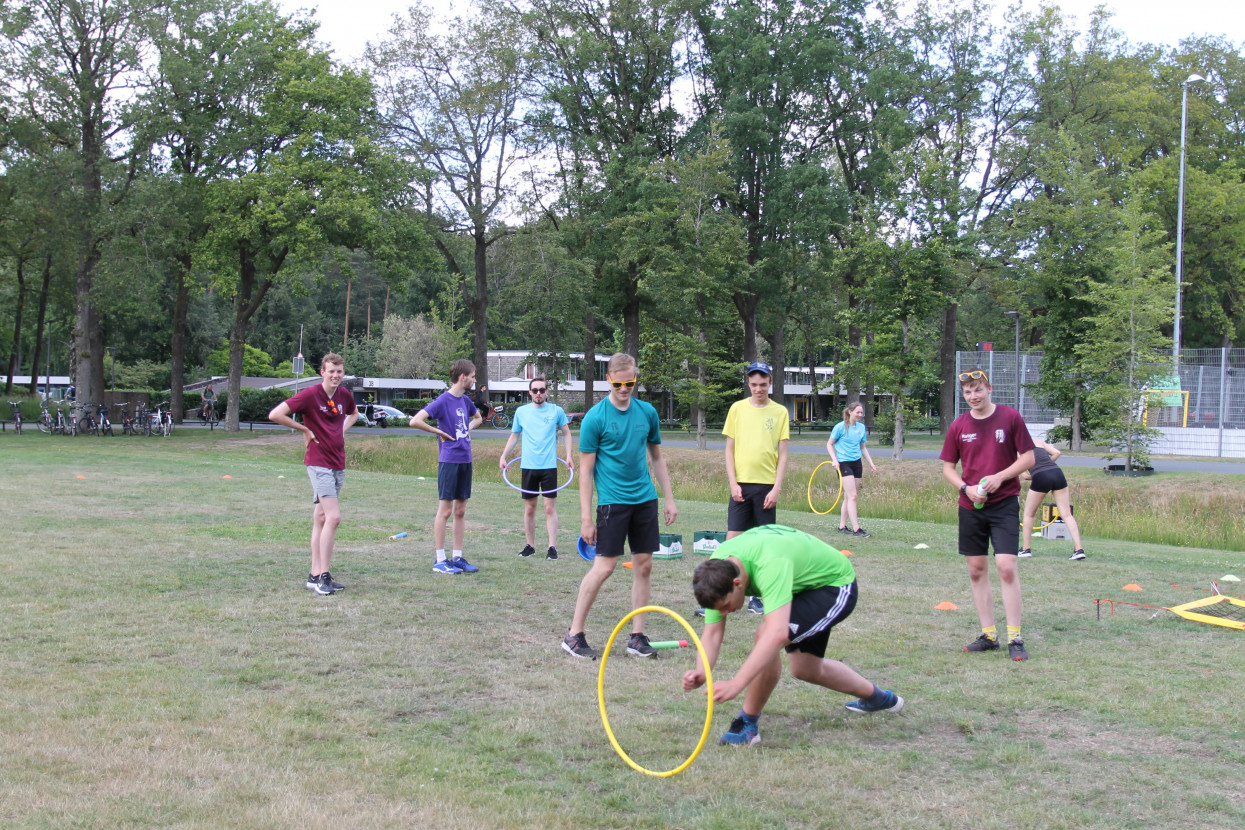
993,446
456,416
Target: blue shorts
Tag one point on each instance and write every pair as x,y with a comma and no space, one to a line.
453,481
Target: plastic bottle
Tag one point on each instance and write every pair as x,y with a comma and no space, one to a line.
397,536
981,491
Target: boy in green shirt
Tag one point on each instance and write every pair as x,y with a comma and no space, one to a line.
808,587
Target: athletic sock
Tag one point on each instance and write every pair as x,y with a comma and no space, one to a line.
1013,633
458,554
878,697
991,631
749,718
441,555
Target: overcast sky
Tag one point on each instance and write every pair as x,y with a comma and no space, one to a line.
348,25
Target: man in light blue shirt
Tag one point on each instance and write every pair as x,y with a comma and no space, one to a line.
539,423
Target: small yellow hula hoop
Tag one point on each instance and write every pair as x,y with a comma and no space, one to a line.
1048,524
704,733
810,490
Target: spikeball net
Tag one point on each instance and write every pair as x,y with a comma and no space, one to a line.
1219,609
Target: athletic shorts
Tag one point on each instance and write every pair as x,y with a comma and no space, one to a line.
997,524
751,512
1048,480
852,469
453,481
634,523
814,612
325,483
542,480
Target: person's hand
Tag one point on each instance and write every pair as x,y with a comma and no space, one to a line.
725,691
737,493
501,463
873,467
308,437
693,679
771,499
834,462
589,533
672,512
445,436
989,484
971,492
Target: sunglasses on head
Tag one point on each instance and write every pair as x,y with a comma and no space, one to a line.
975,374
619,384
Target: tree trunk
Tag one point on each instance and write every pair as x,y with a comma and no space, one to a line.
897,451
15,355
946,365
177,361
590,360
39,330
746,305
251,291
1076,424
479,309
778,359
631,313
698,411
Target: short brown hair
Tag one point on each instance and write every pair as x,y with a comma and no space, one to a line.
536,379
459,368
713,580
620,362
334,358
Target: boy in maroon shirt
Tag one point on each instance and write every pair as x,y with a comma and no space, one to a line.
993,446
328,411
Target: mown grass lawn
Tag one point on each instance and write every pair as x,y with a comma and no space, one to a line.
163,666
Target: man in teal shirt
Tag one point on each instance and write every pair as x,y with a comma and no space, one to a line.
808,588
616,437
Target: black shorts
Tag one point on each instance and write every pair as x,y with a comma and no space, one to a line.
542,480
751,512
453,481
854,469
634,523
1048,480
814,612
997,524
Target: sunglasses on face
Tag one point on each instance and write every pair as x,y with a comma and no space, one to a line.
975,374
538,390
619,384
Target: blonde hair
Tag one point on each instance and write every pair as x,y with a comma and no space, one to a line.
847,413
620,362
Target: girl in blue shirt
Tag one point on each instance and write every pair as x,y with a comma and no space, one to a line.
846,447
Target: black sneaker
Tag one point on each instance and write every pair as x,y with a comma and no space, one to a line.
845,530
528,550
700,612
1016,650
576,645
1025,553
638,646
552,553
862,533
982,643
334,584
1078,555
321,584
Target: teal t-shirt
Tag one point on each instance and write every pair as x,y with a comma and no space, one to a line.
539,427
847,442
782,562
620,440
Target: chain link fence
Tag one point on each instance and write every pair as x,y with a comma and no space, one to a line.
1207,417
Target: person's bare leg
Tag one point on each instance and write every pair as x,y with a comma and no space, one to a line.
444,508
762,686
1065,513
1031,505
641,587
831,674
325,520
849,503
529,521
1009,578
589,587
460,522
983,599
551,520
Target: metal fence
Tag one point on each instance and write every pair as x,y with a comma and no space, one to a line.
1213,424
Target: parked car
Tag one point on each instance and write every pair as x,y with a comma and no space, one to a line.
380,415
574,417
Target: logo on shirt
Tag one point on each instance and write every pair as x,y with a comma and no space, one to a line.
969,437
998,436
769,424
795,629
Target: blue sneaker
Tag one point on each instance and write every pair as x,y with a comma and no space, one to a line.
445,568
741,733
463,565
892,703
755,605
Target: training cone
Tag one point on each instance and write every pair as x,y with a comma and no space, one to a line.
946,605
1229,578
1132,586
845,552
921,546
226,476
81,476
627,565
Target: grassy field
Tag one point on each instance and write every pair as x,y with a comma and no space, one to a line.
164,667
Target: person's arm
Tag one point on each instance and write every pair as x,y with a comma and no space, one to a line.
566,435
663,478
350,420
737,493
771,636
864,451
1023,462
780,473
1051,450
587,528
420,421
951,474
476,420
834,458
501,462
711,639
281,413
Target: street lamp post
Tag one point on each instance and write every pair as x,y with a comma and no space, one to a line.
1016,314
1184,121
112,359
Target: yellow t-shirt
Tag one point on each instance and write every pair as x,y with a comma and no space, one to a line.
757,433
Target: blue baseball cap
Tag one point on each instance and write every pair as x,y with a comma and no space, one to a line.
759,366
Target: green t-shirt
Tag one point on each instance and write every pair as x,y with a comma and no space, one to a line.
782,562
620,440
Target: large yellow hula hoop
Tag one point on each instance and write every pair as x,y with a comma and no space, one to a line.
704,660
810,490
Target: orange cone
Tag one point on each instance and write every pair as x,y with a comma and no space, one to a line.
845,552
946,605
226,476
1132,586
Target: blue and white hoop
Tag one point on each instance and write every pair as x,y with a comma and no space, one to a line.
562,461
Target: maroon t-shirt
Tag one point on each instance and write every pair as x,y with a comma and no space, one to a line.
326,418
985,447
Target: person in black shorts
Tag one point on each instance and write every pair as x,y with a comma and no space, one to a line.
1046,477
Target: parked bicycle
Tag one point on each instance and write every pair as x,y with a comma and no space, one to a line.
45,421
105,425
498,418
87,425
17,416
62,425
159,422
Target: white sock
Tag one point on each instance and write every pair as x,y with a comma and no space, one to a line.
458,554
441,555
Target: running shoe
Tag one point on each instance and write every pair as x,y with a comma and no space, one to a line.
445,568
638,646
741,733
576,645
700,612
552,554
1025,553
336,586
527,551
893,703
862,533
1016,650
1078,555
755,605
321,585
845,530
982,643
463,565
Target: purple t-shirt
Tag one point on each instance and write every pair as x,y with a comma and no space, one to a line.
326,418
985,447
453,414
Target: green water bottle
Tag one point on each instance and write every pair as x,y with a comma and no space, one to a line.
981,491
